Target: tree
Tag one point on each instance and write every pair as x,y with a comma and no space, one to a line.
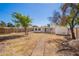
55,18
10,25
70,16
2,24
22,19
48,25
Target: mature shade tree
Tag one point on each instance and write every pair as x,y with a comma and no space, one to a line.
10,25
22,19
2,24
70,16
48,25
17,25
55,18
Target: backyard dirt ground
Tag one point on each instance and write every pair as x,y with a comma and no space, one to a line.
35,44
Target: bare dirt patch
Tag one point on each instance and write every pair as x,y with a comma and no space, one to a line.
35,44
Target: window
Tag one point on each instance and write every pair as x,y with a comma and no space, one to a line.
35,29
39,29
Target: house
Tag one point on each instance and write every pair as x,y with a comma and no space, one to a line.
53,29
42,29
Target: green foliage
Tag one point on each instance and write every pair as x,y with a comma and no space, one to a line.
10,25
2,24
22,19
71,12
48,25
17,24
71,16
77,21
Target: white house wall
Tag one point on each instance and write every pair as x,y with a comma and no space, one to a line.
41,29
61,30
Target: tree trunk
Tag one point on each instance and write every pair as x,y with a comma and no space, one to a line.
26,32
72,33
73,25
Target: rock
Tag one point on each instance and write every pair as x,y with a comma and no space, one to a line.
74,44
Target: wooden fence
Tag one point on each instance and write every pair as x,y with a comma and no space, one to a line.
77,33
7,30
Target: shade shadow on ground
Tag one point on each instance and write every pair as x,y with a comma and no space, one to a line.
2,38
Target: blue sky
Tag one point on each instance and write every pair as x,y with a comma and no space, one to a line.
37,11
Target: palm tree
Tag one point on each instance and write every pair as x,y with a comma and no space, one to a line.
22,19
